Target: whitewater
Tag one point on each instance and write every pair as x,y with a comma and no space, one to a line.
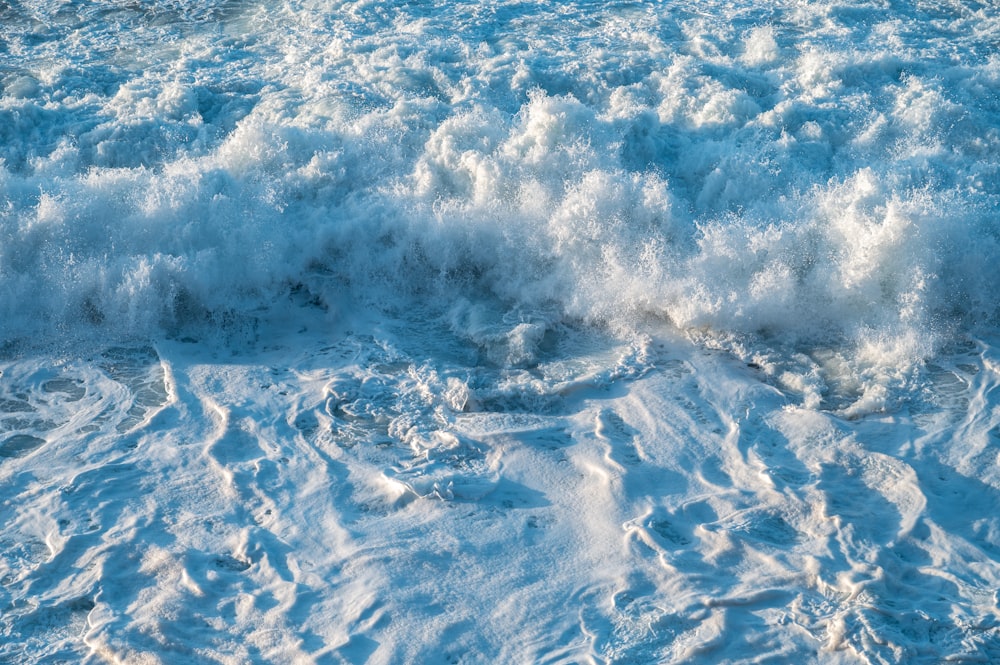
499,331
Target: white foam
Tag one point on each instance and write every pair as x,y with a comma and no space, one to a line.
655,332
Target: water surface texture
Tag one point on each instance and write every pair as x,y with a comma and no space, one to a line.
499,332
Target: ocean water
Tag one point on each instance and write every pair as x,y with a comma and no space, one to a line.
499,331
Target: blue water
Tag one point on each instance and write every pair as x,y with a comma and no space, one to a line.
510,198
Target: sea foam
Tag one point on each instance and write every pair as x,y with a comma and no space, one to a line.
498,331
738,180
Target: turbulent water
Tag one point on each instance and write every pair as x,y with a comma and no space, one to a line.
499,331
